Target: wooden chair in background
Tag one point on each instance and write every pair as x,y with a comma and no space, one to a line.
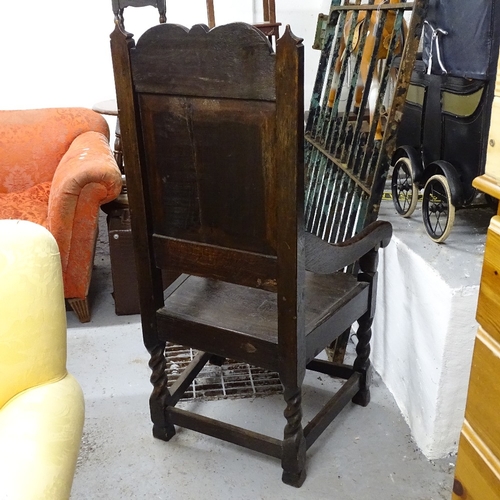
269,26
120,5
213,131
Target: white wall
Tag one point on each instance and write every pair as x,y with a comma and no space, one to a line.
56,53
424,333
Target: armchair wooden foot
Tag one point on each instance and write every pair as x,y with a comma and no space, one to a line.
81,309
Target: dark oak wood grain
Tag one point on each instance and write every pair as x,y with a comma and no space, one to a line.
327,258
199,62
216,262
227,432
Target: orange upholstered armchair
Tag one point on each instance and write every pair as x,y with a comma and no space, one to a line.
56,169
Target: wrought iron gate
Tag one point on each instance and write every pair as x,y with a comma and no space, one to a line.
367,54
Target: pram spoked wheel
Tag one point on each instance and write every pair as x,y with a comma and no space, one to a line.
438,210
404,190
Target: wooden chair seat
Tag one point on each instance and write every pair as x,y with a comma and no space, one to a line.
208,315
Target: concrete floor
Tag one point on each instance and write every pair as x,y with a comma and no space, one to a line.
367,453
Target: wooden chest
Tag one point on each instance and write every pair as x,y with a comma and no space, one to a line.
123,269
478,464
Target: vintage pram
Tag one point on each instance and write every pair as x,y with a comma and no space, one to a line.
443,135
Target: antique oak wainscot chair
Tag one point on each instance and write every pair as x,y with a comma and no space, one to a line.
213,139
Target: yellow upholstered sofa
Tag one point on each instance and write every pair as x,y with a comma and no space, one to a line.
41,404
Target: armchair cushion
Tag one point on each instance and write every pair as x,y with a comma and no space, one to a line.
33,325
41,405
40,434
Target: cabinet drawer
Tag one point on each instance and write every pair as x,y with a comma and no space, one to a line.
475,479
483,400
488,307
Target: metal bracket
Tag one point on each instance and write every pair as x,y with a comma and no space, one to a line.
319,37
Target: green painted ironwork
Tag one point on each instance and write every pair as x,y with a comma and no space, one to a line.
346,164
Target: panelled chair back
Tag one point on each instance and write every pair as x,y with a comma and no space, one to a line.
212,123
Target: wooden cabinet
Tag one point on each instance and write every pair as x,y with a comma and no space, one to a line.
477,474
490,182
478,463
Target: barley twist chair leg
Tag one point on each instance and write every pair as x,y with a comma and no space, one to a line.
362,363
162,428
294,445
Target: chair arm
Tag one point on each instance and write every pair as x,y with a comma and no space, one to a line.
40,435
86,177
326,258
